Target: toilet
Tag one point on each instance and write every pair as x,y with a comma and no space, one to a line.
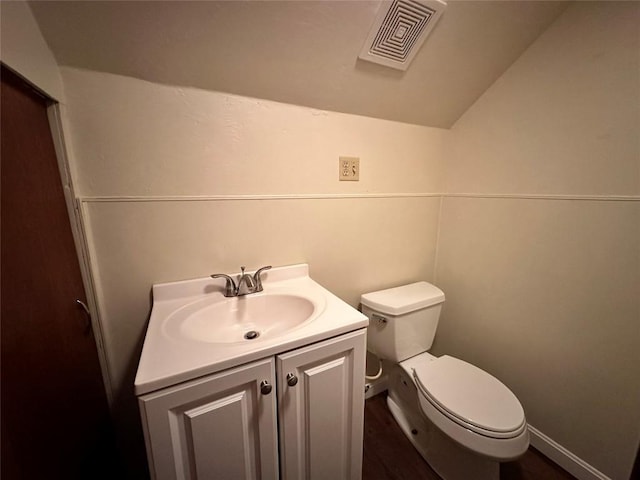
462,420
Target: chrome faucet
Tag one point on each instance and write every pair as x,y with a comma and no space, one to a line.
245,279
251,284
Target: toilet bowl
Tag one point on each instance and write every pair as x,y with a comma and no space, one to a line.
461,419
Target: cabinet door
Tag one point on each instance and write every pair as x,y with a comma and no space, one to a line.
217,427
321,416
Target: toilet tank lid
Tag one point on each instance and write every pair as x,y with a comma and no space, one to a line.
403,299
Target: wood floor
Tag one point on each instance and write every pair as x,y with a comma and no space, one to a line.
388,454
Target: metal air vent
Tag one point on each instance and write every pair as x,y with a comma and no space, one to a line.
401,27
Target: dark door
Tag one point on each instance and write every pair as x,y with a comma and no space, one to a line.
55,418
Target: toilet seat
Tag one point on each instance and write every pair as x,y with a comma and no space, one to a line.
470,397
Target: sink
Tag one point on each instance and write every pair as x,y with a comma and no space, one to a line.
248,318
194,330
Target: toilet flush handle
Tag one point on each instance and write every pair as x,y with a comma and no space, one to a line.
379,319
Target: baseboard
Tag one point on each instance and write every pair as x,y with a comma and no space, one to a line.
563,457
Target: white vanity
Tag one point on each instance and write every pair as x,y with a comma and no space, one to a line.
268,385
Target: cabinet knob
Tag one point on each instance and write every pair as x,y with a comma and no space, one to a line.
265,387
292,380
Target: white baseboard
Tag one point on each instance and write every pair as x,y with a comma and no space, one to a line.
563,457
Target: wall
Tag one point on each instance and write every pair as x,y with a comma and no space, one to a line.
181,183
24,49
539,250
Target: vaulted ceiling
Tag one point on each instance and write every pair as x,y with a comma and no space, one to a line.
299,52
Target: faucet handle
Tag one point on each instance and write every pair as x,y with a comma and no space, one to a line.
230,287
256,277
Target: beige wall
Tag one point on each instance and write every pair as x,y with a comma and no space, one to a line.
136,138
539,250
23,48
181,183
564,118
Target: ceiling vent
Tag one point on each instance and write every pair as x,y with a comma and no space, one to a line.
400,30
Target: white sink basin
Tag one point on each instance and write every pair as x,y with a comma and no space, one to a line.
194,330
250,318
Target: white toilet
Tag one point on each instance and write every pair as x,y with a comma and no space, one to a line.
463,421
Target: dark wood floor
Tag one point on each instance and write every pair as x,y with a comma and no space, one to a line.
388,454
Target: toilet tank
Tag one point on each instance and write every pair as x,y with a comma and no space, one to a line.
402,320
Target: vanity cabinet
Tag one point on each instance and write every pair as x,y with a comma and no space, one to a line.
295,415
321,416
217,427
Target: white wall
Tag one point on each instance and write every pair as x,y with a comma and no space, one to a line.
24,49
539,251
564,119
181,183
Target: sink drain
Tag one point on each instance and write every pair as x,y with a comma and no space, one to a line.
252,334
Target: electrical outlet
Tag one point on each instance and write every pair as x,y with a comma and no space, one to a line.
349,169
